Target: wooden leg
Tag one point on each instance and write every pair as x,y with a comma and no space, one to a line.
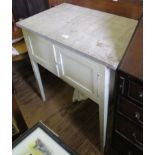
78,96
17,119
38,79
103,108
101,121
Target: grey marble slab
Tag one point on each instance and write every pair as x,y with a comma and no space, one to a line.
101,36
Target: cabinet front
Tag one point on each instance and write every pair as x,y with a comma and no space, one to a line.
81,72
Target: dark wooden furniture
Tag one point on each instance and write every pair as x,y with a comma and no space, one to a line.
18,122
127,135
128,8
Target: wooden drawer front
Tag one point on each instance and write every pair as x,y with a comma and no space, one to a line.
114,152
121,85
130,110
135,91
124,147
129,130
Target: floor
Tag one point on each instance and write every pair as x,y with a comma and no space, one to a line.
77,124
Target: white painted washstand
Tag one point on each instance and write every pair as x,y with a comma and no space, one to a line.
81,46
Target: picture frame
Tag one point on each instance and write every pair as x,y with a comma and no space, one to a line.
40,140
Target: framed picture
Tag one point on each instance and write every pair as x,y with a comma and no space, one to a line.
40,140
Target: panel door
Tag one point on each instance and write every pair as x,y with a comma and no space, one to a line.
42,51
79,71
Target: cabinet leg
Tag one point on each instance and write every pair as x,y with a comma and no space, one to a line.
101,121
38,79
103,108
78,96
103,114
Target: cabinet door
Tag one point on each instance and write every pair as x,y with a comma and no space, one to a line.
42,51
80,72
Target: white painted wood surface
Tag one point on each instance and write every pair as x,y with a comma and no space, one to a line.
89,78
99,35
78,96
42,51
82,47
80,72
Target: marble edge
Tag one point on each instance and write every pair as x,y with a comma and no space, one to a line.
111,66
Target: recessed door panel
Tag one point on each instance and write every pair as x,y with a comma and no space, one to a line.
80,72
43,51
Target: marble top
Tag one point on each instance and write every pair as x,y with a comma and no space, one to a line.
102,36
